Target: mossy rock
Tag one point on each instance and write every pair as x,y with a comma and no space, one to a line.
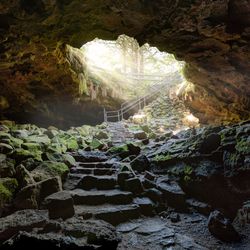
161,158
119,149
49,169
7,123
16,142
21,134
72,144
22,154
65,158
69,160
102,135
7,188
7,166
4,135
243,146
41,139
96,144
56,148
5,148
31,146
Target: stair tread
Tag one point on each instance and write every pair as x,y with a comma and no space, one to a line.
96,209
111,192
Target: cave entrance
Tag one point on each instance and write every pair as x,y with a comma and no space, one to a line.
150,83
127,68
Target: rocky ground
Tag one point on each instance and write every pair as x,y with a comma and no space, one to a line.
124,186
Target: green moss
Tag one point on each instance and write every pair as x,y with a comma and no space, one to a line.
95,144
55,168
119,149
7,188
5,194
5,148
162,157
31,146
72,144
22,154
243,146
15,142
188,170
58,168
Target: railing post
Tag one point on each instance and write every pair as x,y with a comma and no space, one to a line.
105,115
119,116
122,114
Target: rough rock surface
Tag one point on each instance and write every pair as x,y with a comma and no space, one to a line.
178,183
37,82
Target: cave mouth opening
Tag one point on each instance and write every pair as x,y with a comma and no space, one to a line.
125,66
137,76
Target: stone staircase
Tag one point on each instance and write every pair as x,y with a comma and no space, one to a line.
100,191
119,133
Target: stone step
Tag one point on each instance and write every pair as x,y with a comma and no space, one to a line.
98,197
89,156
96,164
94,171
104,182
114,214
72,180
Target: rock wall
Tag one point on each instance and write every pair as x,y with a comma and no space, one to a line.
36,85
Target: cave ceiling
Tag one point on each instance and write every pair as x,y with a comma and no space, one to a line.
212,37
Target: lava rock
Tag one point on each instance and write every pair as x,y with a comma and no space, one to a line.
134,185
174,195
140,135
60,205
122,177
210,143
221,228
33,195
140,163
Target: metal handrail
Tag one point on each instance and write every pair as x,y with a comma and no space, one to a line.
139,102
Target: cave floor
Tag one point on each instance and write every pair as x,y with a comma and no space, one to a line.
190,232
117,188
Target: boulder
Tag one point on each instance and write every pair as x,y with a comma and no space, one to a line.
122,177
221,228
140,163
133,149
7,166
60,205
23,176
6,148
140,135
133,185
210,143
40,233
49,169
173,194
102,135
32,196
7,188
23,220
